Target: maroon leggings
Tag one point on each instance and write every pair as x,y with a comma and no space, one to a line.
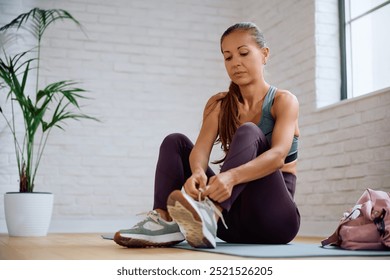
260,211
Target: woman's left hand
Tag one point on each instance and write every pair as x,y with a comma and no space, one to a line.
219,187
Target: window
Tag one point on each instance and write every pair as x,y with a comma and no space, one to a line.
365,45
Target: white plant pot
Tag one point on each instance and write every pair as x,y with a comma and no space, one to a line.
28,214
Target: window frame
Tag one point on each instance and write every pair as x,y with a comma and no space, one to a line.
343,51
344,44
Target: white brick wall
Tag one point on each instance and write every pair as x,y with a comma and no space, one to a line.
344,147
151,65
327,53
348,158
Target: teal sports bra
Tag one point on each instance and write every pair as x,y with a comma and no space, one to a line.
267,124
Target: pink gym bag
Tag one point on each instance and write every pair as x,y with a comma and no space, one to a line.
366,226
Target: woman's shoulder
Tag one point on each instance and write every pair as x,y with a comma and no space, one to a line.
284,101
213,104
283,96
213,100
217,97
283,92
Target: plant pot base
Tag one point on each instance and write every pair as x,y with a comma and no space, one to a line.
28,214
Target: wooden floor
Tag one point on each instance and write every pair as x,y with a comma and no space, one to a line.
94,247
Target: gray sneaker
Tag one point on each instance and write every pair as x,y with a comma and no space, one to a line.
153,231
196,219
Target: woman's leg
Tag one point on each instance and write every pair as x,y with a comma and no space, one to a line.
171,173
248,142
261,211
173,168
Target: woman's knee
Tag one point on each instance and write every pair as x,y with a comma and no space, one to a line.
175,140
249,128
249,132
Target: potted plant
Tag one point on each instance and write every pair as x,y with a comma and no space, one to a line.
41,110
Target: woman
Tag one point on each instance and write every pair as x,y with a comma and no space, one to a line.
251,199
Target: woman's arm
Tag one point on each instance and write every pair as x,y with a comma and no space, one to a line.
200,154
285,111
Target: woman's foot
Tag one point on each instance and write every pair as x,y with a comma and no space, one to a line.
195,218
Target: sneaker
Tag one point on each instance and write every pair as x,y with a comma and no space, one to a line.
196,219
153,231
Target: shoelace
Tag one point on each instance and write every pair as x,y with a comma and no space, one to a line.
154,215
211,205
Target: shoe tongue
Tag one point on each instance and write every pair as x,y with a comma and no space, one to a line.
155,216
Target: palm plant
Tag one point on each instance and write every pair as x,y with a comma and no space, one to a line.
45,108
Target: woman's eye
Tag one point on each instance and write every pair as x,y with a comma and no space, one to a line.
228,58
244,54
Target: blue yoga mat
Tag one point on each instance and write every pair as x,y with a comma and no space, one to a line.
291,250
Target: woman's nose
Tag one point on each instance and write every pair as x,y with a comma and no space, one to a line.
236,61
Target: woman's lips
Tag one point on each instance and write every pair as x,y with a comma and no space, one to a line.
239,73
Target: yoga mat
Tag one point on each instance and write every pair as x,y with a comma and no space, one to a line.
291,250
108,236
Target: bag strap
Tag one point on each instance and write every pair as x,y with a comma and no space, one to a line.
333,239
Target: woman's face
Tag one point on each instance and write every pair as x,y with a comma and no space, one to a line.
244,59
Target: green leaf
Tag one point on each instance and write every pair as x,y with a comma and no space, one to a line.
9,71
39,20
63,97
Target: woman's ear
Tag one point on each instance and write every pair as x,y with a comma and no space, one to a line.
265,52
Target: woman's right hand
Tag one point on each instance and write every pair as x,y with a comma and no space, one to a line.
198,180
